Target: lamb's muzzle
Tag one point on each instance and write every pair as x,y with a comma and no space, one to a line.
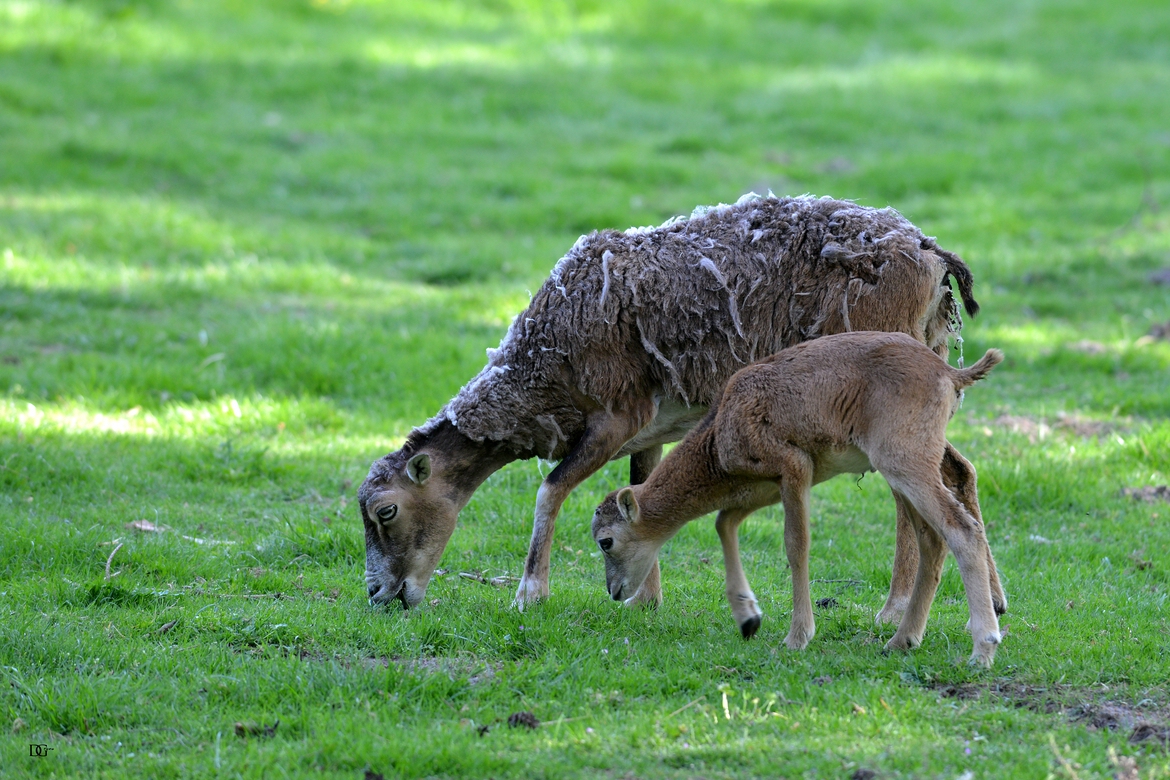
844,403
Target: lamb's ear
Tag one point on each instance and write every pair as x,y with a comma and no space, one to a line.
628,505
418,468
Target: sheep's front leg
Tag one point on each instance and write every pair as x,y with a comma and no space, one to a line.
744,606
641,464
604,436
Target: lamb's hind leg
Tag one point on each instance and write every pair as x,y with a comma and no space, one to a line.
932,553
905,564
744,606
641,464
964,535
604,436
959,475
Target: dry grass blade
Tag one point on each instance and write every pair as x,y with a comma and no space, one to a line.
110,560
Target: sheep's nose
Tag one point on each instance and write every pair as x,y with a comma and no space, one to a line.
373,589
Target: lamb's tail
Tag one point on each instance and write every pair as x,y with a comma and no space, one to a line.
965,377
958,269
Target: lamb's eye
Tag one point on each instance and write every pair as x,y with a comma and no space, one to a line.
605,544
387,513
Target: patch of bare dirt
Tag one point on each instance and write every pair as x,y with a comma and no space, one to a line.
1038,429
1033,429
1151,494
1146,721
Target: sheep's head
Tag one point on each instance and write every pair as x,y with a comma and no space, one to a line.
626,543
409,515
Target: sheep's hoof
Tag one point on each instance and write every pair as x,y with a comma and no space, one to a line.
999,604
750,626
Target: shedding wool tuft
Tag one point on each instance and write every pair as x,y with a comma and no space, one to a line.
675,310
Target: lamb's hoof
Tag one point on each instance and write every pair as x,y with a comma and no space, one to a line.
799,638
999,604
985,649
891,614
903,642
750,626
531,591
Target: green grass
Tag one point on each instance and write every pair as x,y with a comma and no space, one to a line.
244,247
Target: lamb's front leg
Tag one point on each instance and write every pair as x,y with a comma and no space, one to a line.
744,606
604,436
794,490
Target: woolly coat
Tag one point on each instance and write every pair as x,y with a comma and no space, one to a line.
674,311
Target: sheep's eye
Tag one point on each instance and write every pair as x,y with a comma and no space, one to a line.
387,513
605,544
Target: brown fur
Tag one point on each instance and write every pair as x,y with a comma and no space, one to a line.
843,403
632,337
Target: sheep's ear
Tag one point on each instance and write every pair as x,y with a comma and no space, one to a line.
418,468
628,505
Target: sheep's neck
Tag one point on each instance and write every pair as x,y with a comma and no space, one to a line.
464,463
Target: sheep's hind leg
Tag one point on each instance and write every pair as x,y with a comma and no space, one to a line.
604,436
641,464
744,606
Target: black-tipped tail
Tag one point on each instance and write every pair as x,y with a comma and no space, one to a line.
962,274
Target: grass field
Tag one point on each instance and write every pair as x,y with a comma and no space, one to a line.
245,246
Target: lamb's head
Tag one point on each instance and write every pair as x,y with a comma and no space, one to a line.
627,543
409,515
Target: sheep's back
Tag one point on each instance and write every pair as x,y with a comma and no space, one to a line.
675,310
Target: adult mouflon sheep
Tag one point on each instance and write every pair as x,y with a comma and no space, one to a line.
845,403
629,341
